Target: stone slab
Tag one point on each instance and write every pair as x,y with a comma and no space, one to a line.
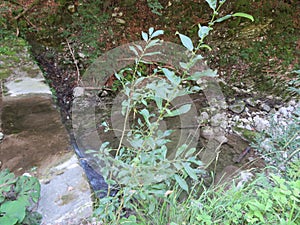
65,194
36,142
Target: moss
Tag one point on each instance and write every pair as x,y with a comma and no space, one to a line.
66,199
4,73
247,134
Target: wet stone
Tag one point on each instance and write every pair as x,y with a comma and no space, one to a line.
238,107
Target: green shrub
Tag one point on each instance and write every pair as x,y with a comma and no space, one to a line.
17,194
142,170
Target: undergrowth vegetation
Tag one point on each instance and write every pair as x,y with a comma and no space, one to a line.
17,198
147,186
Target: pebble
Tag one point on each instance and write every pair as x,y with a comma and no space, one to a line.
238,107
248,127
292,103
120,21
251,102
283,111
207,132
265,107
260,123
217,119
204,117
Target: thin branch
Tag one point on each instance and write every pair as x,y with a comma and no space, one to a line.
27,9
74,61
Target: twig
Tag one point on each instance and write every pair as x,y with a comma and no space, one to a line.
74,60
27,9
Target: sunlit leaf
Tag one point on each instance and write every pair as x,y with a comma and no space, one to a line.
181,110
133,50
245,15
153,43
158,102
139,47
186,41
151,29
180,150
206,73
145,36
175,80
194,160
203,31
190,152
212,4
157,33
183,65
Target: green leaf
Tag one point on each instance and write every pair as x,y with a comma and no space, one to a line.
186,41
194,160
145,36
206,46
183,65
139,47
6,220
181,110
180,150
245,15
203,31
157,33
206,73
158,102
190,171
14,209
145,113
212,4
153,43
181,182
150,31
133,50
190,152
223,18
175,80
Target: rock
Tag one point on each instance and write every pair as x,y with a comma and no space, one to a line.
218,119
221,139
251,102
248,127
265,107
292,103
260,123
1,136
120,21
78,92
204,117
66,197
283,111
236,118
238,107
81,55
207,132
231,100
